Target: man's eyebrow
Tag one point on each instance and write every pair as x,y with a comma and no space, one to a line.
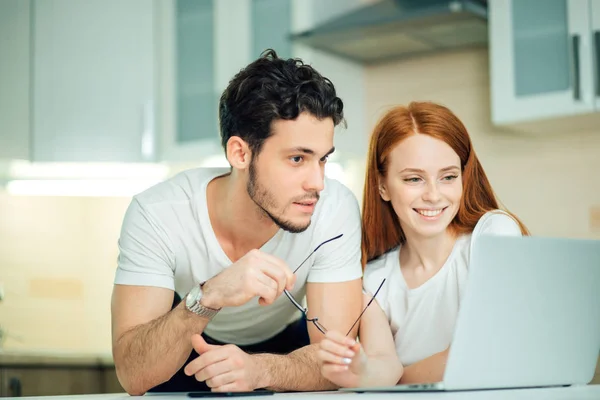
311,152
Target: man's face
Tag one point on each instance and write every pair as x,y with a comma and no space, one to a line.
286,177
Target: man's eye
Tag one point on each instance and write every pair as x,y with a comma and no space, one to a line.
296,159
324,159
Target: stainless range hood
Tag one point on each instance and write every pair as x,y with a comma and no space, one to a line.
391,29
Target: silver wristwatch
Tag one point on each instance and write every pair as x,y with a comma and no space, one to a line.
192,303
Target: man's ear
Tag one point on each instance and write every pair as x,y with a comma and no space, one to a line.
238,153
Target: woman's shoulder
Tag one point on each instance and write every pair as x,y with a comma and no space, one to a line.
497,222
379,268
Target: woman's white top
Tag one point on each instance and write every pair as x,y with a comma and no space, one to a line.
422,319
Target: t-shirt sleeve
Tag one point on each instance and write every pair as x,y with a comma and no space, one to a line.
497,223
145,256
339,260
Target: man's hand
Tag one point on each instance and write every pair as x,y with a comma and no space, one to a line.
223,368
255,274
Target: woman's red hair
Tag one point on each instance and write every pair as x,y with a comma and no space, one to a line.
381,230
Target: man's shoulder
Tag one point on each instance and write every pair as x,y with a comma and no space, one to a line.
181,187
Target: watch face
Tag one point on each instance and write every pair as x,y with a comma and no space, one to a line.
192,296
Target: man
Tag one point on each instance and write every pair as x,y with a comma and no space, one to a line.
229,243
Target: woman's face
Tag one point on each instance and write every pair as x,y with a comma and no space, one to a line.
423,184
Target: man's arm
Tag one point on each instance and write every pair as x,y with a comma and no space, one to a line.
144,331
337,305
428,370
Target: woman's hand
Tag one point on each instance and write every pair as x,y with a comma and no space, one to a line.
342,360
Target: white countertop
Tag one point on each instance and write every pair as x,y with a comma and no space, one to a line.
590,392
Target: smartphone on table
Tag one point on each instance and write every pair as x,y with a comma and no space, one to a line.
259,392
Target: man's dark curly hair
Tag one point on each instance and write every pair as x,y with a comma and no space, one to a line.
272,88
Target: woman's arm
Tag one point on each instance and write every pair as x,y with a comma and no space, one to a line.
372,362
428,370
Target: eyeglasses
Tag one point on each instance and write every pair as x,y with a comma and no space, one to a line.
304,311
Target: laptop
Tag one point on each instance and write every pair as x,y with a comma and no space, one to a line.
530,317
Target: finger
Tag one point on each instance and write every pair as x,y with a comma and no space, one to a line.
336,348
266,294
282,265
340,338
221,380
275,273
267,281
213,370
205,360
330,358
231,387
200,345
330,369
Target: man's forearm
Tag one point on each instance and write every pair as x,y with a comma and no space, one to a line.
428,370
297,371
152,353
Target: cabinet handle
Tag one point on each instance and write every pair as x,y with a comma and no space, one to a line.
15,388
597,52
148,145
576,78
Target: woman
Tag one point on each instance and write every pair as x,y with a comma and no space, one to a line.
426,199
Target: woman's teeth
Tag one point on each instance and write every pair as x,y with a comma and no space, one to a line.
430,213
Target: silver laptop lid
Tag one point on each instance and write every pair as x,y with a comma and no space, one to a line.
530,315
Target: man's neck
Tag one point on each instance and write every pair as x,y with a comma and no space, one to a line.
238,223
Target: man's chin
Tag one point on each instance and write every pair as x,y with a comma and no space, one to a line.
293,227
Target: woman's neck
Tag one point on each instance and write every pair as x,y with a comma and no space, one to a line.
426,253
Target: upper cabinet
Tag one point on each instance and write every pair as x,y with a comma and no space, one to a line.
93,78
14,79
271,27
595,15
202,45
543,59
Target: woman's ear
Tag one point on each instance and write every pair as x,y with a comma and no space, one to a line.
383,191
238,153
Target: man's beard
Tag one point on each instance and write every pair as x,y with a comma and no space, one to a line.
265,201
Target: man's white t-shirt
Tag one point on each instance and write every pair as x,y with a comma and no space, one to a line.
167,241
422,319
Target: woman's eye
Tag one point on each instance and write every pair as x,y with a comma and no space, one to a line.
450,177
412,180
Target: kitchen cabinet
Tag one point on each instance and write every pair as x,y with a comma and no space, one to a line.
543,60
348,77
595,15
14,79
57,379
93,79
202,45
271,27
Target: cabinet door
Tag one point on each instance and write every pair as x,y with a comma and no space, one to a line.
595,13
540,61
93,80
271,27
203,44
31,381
14,79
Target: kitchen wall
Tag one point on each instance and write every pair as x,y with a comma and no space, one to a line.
57,262
550,181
